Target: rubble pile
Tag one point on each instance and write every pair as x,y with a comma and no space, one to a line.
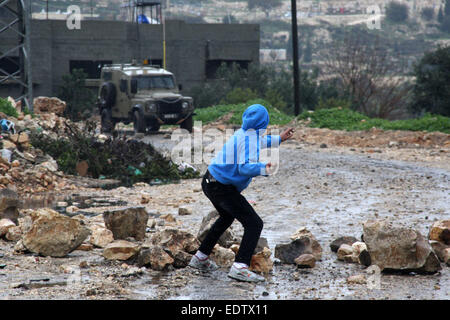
395,248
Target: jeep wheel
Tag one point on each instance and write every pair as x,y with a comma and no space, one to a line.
107,95
138,122
187,124
107,121
153,125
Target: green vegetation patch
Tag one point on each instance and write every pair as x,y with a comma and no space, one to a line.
210,114
346,119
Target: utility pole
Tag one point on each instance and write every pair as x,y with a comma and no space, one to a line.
296,70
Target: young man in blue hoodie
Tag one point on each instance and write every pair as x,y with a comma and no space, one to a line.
230,172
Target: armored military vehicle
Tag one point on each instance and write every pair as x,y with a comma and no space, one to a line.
143,94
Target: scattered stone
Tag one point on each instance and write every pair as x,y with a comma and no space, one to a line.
53,234
306,235
305,261
287,253
49,105
323,146
345,250
357,279
439,249
120,250
440,231
100,237
9,203
224,257
398,248
85,247
174,240
72,209
13,234
225,240
5,224
262,243
145,199
127,222
184,211
155,257
168,218
261,262
334,246
181,259
364,258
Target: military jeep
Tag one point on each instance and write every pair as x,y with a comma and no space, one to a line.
143,94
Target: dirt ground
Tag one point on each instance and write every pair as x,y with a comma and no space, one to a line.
329,189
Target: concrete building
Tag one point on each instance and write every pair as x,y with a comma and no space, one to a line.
193,51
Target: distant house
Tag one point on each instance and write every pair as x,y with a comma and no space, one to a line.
272,55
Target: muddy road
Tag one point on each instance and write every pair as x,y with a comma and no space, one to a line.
331,191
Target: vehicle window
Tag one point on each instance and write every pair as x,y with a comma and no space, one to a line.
155,82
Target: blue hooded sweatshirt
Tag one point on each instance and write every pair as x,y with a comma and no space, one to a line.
238,161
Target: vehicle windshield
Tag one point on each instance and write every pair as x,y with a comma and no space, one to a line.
155,82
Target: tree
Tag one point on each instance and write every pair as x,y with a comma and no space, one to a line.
265,5
397,12
432,86
441,15
447,8
365,72
427,13
78,98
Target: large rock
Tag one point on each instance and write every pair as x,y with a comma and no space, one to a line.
181,259
9,203
334,246
127,222
120,250
154,257
225,240
100,237
440,231
398,248
304,234
303,243
261,262
174,240
52,234
49,105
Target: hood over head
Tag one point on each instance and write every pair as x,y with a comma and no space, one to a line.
255,117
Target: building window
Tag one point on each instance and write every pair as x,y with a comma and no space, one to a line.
91,68
213,65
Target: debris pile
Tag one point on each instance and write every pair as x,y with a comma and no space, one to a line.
395,248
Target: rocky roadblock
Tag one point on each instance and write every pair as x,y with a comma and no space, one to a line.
318,195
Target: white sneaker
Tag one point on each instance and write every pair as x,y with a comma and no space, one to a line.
243,274
204,265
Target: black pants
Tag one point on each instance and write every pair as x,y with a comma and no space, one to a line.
230,205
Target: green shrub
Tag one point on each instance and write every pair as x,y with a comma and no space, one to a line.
7,108
346,119
213,113
239,95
